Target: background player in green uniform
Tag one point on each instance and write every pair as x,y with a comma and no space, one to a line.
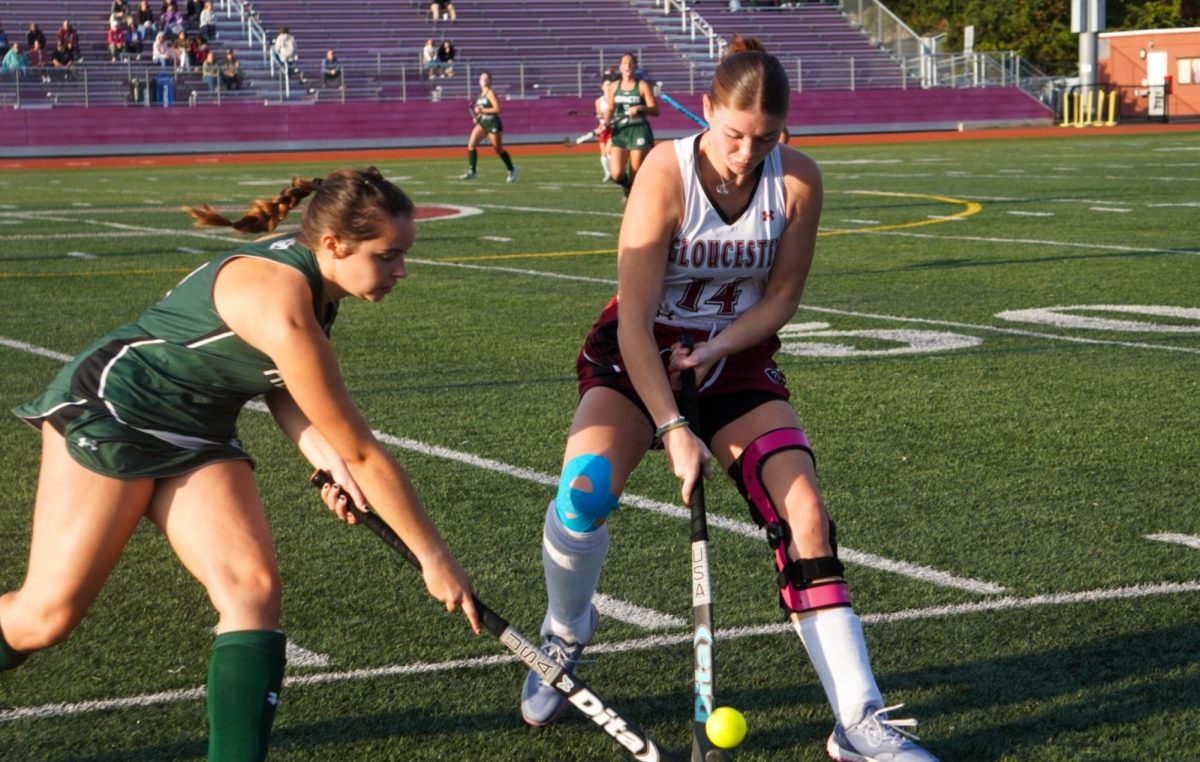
629,103
142,425
487,125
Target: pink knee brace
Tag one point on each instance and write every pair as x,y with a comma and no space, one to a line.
797,590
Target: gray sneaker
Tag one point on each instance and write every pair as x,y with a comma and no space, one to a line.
876,739
512,176
540,703
468,175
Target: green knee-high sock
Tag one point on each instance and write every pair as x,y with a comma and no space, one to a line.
244,679
507,161
472,158
9,658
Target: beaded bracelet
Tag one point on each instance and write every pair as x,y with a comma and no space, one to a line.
677,422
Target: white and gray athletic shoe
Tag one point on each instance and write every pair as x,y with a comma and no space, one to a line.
468,175
540,703
512,176
875,738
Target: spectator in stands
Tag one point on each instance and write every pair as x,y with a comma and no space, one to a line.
67,35
74,52
191,13
429,62
3,36
283,52
35,35
63,63
443,9
117,12
208,22
39,61
331,69
632,100
179,52
445,57
161,52
198,50
231,71
133,37
145,18
15,63
116,40
209,71
172,21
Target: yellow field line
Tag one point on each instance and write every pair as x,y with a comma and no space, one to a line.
971,207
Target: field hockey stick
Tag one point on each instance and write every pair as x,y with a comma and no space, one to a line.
703,629
682,109
585,137
627,734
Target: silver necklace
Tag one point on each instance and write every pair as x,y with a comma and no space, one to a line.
724,187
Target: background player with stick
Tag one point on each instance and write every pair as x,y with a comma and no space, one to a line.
629,103
717,243
142,424
487,125
604,117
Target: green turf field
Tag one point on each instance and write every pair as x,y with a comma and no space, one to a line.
997,358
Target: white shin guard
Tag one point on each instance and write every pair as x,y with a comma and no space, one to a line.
572,562
834,641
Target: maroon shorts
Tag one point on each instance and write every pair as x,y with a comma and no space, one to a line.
742,382
604,135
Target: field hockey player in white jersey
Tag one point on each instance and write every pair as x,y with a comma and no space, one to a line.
716,244
142,425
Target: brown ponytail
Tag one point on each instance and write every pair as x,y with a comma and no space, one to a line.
350,203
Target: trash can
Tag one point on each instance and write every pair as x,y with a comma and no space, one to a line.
164,89
137,91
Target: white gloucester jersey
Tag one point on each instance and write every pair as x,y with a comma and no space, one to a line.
717,268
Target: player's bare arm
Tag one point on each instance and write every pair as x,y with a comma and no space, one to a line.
279,322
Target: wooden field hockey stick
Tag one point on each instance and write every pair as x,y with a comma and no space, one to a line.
703,629
627,734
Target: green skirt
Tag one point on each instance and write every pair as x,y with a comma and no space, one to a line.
101,443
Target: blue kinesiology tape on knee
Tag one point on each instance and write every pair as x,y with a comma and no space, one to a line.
579,510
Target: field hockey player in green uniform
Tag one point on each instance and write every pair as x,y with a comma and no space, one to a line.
630,102
142,424
487,125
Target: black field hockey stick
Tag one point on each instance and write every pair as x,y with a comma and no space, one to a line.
627,734
703,629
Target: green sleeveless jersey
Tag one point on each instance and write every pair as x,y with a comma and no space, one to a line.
489,122
623,100
178,373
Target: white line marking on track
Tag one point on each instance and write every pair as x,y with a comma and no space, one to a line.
640,616
1190,540
47,711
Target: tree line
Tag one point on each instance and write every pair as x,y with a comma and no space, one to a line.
1039,30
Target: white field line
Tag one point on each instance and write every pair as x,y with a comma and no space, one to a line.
543,210
639,616
1000,329
302,657
46,711
1190,540
1120,210
1019,213
1034,242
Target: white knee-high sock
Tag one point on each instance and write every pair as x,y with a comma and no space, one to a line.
834,641
572,563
